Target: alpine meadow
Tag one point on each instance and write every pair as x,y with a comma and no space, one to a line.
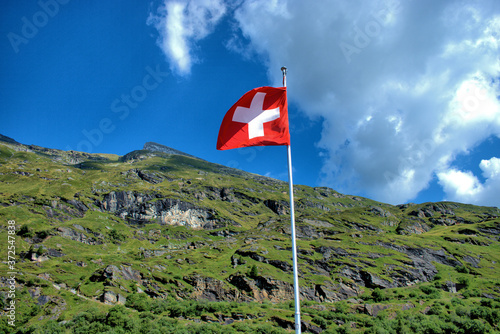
160,241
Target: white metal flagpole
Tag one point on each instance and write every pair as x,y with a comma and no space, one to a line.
292,221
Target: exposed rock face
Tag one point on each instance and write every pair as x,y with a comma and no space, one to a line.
54,253
433,209
283,265
63,212
372,281
329,292
413,226
422,260
111,298
154,147
144,208
278,207
303,203
381,212
492,232
211,289
473,261
66,232
113,273
151,177
262,288
420,270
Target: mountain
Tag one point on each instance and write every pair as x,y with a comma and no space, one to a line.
154,147
7,139
160,241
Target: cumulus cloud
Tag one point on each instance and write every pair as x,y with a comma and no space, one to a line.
181,24
465,186
403,87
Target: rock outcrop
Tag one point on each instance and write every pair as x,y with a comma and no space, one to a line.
72,234
138,208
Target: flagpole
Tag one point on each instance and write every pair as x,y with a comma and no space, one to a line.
292,222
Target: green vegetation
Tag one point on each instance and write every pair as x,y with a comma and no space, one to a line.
160,243
161,316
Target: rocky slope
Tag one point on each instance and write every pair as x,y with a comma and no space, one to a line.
165,224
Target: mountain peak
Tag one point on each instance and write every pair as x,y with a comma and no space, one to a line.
155,147
7,139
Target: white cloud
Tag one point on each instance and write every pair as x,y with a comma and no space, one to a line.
458,184
403,87
181,24
490,168
465,187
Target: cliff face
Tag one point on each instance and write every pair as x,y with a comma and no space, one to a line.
161,222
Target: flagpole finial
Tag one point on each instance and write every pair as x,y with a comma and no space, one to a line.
283,70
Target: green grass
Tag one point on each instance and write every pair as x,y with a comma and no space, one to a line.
358,227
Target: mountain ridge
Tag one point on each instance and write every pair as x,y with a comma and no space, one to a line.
7,139
155,147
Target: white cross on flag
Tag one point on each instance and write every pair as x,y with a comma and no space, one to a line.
259,118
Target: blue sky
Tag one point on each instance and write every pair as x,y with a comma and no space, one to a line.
392,100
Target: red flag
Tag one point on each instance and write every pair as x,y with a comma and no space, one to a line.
259,118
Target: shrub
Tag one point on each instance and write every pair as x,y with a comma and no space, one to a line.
493,317
487,303
475,326
5,327
464,281
139,301
435,309
50,327
462,311
345,329
43,234
118,316
378,295
321,322
159,306
25,231
437,277
254,272
431,291
470,293
117,236
342,307
39,251
456,301
462,269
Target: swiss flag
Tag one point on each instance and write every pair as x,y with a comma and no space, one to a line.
259,118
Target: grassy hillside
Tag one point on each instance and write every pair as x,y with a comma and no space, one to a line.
167,243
